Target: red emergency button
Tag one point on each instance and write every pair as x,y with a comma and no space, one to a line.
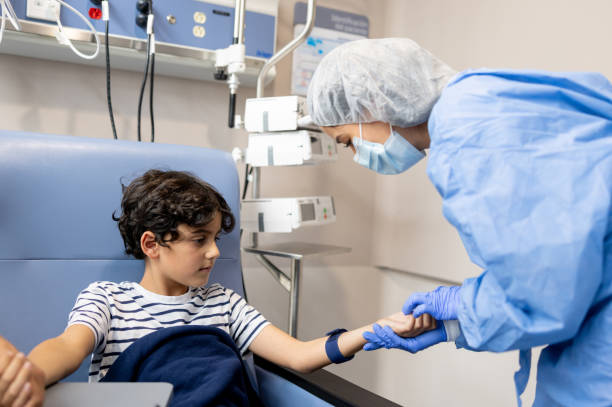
95,13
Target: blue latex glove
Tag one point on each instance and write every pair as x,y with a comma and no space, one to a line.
440,303
386,338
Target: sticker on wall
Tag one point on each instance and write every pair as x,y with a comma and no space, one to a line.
332,28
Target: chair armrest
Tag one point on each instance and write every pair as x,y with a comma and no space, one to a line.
108,394
329,388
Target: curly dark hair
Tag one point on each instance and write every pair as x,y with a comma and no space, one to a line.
160,201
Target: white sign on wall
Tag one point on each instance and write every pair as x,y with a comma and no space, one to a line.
332,28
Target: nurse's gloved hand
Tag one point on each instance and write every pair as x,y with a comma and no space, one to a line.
384,337
440,303
405,326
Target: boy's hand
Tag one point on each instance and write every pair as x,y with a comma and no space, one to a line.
21,382
406,325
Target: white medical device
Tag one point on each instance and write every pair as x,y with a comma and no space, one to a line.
283,113
283,215
290,148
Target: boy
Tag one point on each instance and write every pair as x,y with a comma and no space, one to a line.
172,220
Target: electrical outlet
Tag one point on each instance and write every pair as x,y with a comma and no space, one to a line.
43,9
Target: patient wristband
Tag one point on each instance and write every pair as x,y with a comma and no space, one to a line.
332,349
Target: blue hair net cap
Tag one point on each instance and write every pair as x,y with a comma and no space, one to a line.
391,80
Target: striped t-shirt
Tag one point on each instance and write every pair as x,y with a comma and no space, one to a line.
120,313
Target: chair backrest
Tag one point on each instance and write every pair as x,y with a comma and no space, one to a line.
57,195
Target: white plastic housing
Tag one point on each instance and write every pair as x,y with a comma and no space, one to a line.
302,147
263,115
283,215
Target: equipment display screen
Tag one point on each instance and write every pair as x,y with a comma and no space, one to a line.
308,211
315,146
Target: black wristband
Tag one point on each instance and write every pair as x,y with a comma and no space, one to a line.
332,349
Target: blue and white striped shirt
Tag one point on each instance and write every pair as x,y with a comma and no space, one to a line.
121,313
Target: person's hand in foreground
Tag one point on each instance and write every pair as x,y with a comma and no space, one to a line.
22,384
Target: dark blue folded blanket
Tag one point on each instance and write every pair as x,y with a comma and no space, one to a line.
202,363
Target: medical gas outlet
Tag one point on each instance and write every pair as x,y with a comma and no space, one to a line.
283,215
43,9
187,34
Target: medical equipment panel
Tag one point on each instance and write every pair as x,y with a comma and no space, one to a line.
283,215
290,148
284,113
183,29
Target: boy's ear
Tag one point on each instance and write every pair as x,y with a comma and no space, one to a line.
149,245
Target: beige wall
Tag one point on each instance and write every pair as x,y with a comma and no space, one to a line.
543,34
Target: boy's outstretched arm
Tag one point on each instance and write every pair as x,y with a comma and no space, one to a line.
280,348
60,356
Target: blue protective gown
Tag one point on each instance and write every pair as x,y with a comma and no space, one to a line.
523,162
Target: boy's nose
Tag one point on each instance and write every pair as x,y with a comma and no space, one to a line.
212,252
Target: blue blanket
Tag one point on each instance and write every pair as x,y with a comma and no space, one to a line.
202,363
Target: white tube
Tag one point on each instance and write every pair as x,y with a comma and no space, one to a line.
152,46
3,23
150,18
65,40
105,11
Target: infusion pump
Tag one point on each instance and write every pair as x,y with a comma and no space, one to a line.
279,113
283,215
290,148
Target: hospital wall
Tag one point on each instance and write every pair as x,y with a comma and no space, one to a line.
387,221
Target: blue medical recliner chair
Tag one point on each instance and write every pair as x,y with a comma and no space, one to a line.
57,195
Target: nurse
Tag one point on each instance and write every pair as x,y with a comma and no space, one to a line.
523,163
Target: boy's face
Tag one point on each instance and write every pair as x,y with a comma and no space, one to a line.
189,260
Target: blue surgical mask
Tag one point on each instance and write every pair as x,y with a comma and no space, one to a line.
393,157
